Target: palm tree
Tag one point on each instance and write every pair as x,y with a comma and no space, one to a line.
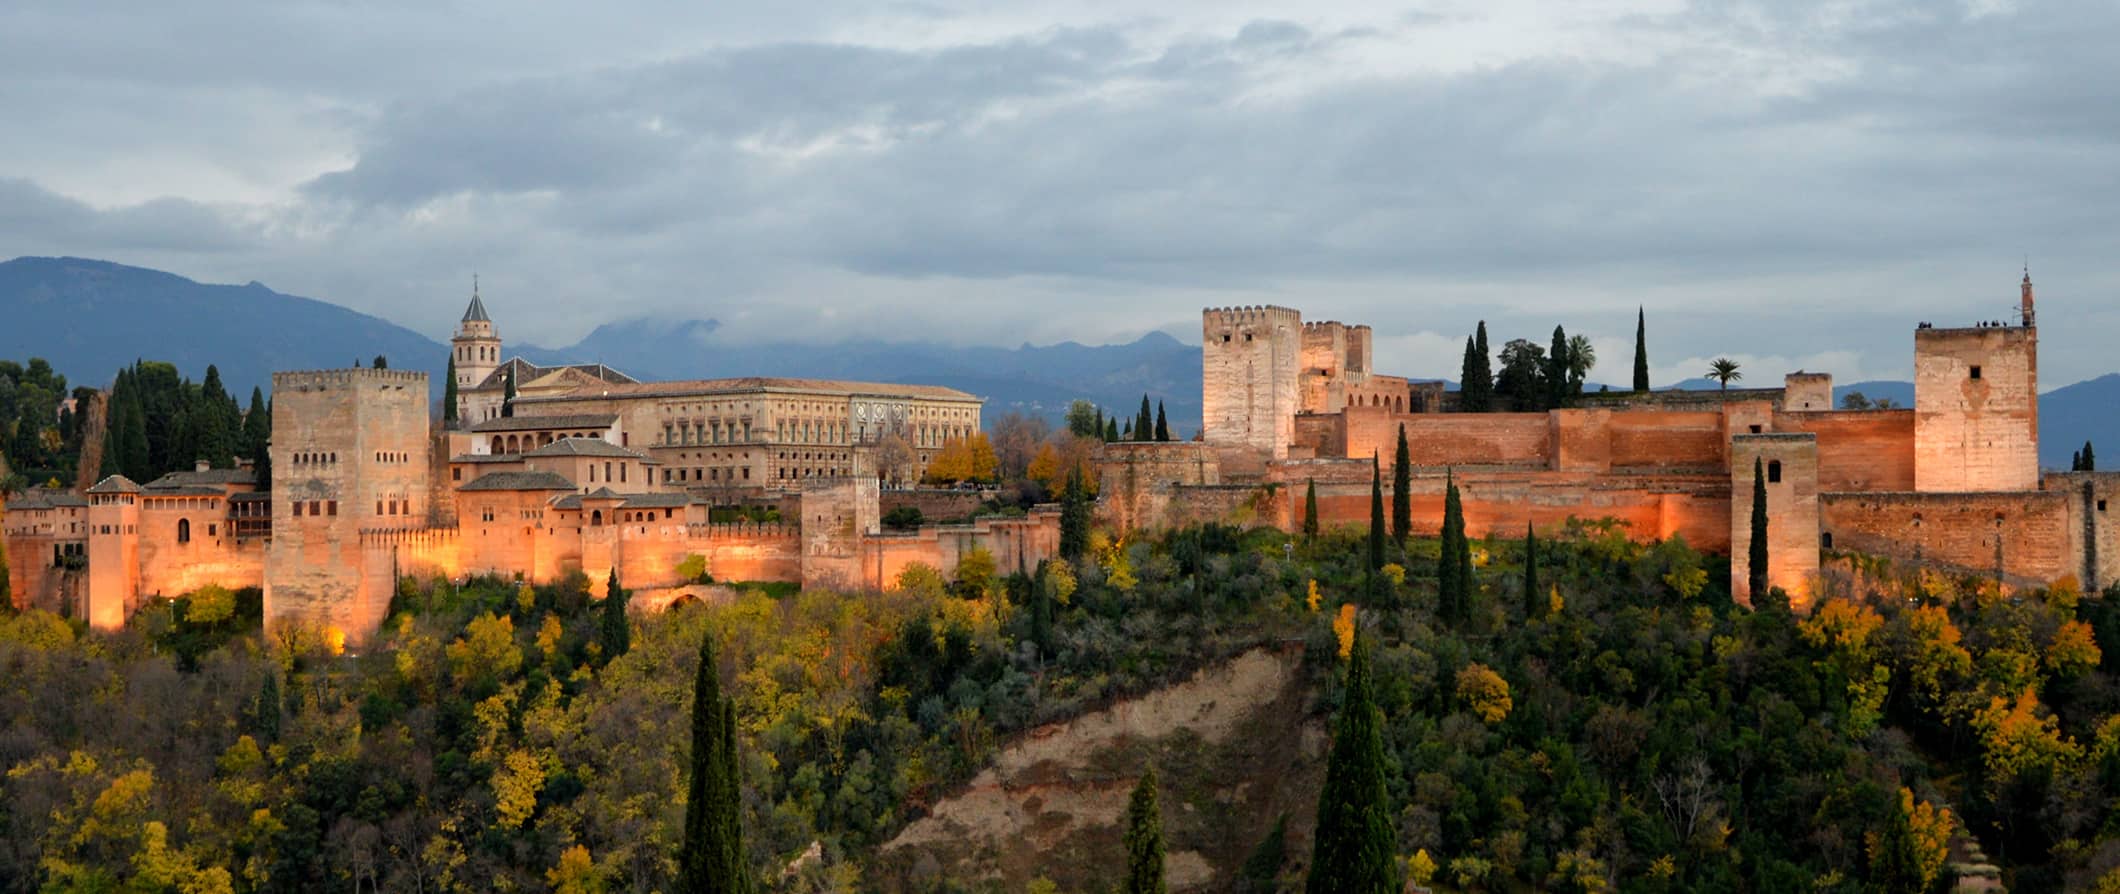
1723,370
1581,358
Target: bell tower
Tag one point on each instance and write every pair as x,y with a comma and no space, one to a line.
476,350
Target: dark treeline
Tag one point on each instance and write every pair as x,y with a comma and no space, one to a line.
161,422
39,436
1530,378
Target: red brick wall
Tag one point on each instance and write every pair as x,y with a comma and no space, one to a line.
1958,531
1440,439
1859,449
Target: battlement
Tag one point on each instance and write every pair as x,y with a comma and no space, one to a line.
419,537
742,530
317,379
1234,316
2007,331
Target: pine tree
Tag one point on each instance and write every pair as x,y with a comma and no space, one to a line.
264,451
1144,839
1310,508
449,395
381,362
1447,584
1402,492
1641,351
1144,422
1534,601
1041,598
1483,367
1074,517
1162,424
2090,459
1756,558
257,427
1557,370
1127,433
614,632
1376,530
711,860
508,395
1352,849
266,719
1111,430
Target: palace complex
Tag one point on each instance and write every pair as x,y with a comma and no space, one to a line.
553,470
583,469
1952,482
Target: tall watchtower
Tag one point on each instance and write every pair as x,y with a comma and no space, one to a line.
349,454
1976,405
476,348
1249,360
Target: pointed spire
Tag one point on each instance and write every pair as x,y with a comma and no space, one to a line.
476,313
2026,295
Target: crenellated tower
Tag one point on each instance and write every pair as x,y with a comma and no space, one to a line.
477,351
1249,364
1976,406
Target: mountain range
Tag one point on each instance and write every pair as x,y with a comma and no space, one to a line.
90,317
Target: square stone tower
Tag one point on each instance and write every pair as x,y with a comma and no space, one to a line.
1807,392
1788,465
1976,409
1249,360
349,454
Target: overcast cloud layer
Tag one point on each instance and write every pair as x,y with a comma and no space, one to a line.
1789,184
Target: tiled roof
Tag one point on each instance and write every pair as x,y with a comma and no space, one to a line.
208,477
768,383
479,458
546,423
115,484
46,498
632,501
519,481
186,490
476,313
526,372
584,447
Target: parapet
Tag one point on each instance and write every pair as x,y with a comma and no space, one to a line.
303,380
1230,316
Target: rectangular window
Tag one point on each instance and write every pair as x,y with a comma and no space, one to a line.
456,474
2101,505
1774,472
1755,429
1976,372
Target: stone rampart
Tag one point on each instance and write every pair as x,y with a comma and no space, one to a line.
2023,536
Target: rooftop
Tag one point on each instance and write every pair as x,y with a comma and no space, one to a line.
47,498
519,481
204,477
547,423
585,447
115,484
836,387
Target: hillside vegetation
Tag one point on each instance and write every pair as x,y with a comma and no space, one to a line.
1616,726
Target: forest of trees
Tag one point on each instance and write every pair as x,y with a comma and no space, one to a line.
1606,720
158,422
39,439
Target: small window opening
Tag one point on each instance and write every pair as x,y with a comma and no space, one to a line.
1976,372
2101,505
1774,472
1755,429
1825,540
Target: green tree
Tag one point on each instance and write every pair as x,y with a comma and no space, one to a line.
1083,419
1756,556
508,394
7,601
712,857
381,362
1447,584
1402,491
1582,358
1535,604
1144,422
1476,381
1556,372
1263,867
1111,430
1310,508
614,632
1162,424
257,427
1041,607
1352,848
215,422
1521,383
1144,839
1376,530
1641,351
2090,459
265,715
449,394
1724,371
1074,517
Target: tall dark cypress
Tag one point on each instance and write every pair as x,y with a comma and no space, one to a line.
257,427
1468,393
1447,585
1144,839
265,719
1162,423
449,395
2090,459
508,395
1376,529
1310,508
1041,596
1111,430
263,460
615,632
1466,582
1402,492
1483,366
711,860
1535,604
1557,370
1756,558
1351,851
1074,517
1144,422
1641,351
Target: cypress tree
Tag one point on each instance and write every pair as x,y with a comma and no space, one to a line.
381,362
449,395
615,633
266,719
1468,394
1402,492
216,422
2090,459
1099,431
1557,370
1074,517
1144,422
7,601
1534,601
1465,581
1483,367
1352,849
1041,596
1376,529
711,860
1127,433
257,427
1641,351
508,396
1144,839
264,451
1446,564
1111,430
1263,866
1310,508
1756,558
1162,423
2075,461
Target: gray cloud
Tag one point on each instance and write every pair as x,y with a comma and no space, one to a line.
1790,182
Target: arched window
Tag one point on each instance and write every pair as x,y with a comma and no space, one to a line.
596,517
183,530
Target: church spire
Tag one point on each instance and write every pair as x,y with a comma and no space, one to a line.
476,313
2025,290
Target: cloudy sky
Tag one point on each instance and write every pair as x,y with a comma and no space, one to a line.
1787,183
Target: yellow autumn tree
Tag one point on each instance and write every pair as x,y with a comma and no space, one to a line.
209,604
1343,629
487,647
964,459
1312,599
1910,851
2015,736
515,788
576,873
1485,692
1935,660
2074,650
